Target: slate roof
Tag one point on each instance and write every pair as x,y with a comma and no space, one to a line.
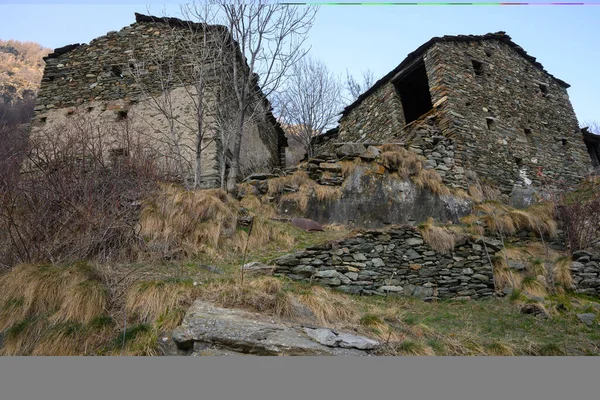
500,36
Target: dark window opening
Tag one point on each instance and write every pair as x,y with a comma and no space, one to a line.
519,161
121,115
564,141
413,89
490,123
477,67
117,71
544,89
90,109
527,131
43,119
593,149
468,104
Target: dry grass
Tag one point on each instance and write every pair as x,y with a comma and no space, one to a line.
404,162
294,181
503,275
476,193
329,307
71,293
430,179
67,339
189,222
184,224
503,219
438,238
499,348
562,272
311,190
255,205
348,167
147,302
22,337
534,286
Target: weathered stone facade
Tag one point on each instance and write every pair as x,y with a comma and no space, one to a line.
510,122
395,262
119,76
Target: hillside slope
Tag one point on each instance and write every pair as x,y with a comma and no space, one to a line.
21,69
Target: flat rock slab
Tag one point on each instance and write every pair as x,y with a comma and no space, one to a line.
207,329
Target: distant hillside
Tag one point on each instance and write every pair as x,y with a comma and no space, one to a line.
21,69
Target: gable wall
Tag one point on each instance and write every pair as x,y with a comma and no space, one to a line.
80,85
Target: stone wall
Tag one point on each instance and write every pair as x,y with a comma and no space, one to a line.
586,273
120,75
395,262
506,123
367,194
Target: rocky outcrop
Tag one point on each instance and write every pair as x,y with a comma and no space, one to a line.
395,262
210,330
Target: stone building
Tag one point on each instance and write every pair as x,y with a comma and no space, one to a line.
145,75
508,121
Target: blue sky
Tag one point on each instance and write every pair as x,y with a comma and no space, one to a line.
565,39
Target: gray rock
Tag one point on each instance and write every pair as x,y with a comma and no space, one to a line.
352,275
331,273
516,265
587,318
331,281
422,292
345,340
258,268
414,241
350,150
304,270
371,153
394,289
289,260
239,331
378,262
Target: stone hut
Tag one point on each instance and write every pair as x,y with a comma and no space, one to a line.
143,79
509,120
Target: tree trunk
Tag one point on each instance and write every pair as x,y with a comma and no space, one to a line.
237,146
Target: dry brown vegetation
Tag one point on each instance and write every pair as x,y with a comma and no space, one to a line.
440,239
505,220
299,189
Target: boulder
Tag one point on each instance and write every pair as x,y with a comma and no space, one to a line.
350,150
207,329
371,154
587,318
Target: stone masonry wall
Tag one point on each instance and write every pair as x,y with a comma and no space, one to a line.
506,123
97,82
512,119
395,262
585,270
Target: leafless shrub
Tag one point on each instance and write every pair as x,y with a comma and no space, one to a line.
579,213
76,199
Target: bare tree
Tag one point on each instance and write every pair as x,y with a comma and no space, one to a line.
270,38
357,87
310,101
190,63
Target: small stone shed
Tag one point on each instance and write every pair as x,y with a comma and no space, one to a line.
510,120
